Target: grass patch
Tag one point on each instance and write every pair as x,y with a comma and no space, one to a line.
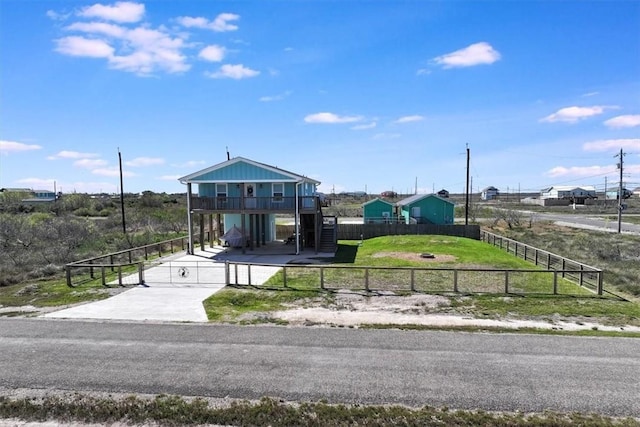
173,410
233,303
50,293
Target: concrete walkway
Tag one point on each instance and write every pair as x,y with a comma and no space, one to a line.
175,289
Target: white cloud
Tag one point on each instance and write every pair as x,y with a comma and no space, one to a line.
591,94
579,171
103,28
279,97
331,118
236,72
212,53
112,172
66,154
80,46
122,11
625,121
144,161
423,72
475,54
140,50
90,163
219,24
13,146
409,119
365,126
574,114
613,145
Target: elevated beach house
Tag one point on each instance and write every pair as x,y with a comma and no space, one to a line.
247,195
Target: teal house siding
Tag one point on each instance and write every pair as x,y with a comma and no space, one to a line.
426,209
377,211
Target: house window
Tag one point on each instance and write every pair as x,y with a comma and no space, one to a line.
221,190
278,191
221,195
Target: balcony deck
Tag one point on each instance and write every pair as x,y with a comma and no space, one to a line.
306,204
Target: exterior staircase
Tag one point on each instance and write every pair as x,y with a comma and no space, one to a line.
328,241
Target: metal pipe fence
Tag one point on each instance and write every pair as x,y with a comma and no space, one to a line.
85,270
409,279
577,272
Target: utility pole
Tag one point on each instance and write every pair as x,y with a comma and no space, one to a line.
605,191
466,203
620,206
124,226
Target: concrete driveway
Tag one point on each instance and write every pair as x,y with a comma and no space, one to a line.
175,288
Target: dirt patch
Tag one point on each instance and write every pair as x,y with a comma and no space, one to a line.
415,257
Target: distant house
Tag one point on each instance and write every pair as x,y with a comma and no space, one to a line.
32,197
390,194
613,194
636,192
247,194
443,193
489,193
573,194
426,209
377,211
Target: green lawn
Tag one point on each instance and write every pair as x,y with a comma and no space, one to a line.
480,294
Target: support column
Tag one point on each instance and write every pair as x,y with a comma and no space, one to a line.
256,217
219,229
264,229
243,230
189,220
251,231
202,243
211,230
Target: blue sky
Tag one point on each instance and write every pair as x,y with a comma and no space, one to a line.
360,95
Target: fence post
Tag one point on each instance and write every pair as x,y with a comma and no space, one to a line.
141,273
249,273
321,278
555,282
506,281
227,275
548,261
111,262
413,282
284,275
536,257
366,279
146,253
104,279
120,275
600,286
68,271
563,266
516,250
525,252
581,273
455,280
235,268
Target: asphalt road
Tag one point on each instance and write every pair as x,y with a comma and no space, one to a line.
588,221
459,370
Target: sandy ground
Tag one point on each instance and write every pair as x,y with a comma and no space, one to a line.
354,310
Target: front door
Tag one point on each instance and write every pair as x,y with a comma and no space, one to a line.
250,195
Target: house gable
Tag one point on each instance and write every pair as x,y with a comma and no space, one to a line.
240,170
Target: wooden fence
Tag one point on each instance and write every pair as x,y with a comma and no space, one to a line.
582,274
409,279
85,270
368,231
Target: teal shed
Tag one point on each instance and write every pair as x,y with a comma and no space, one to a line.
426,209
377,211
